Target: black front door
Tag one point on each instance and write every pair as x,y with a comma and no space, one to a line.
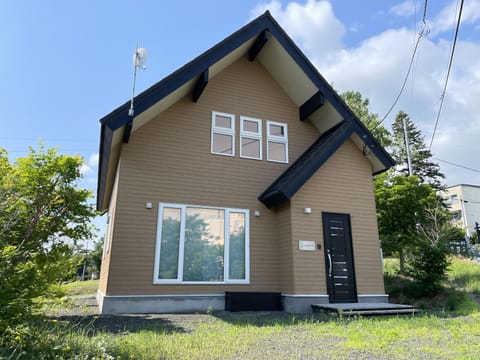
339,258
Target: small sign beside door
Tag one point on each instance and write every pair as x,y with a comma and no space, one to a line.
306,245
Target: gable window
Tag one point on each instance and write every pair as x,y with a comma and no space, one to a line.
223,134
202,245
277,142
250,138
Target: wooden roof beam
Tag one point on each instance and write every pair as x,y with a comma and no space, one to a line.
257,45
311,105
200,85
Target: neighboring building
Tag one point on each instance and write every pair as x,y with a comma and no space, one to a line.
464,204
243,171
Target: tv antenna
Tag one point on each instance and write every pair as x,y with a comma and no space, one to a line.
139,59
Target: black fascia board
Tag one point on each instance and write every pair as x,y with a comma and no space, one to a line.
312,104
258,45
293,178
106,136
200,85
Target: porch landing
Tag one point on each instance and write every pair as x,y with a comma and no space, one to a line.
365,309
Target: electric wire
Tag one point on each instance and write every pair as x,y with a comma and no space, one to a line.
458,165
424,31
442,97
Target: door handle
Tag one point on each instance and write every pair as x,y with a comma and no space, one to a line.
329,265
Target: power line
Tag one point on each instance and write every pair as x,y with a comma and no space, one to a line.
458,165
423,32
442,97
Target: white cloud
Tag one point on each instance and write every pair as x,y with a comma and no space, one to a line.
93,160
313,24
88,167
377,66
406,8
85,170
446,19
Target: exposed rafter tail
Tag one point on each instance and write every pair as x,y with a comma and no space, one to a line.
311,105
200,85
258,45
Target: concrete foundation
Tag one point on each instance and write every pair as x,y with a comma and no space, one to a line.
151,304
160,304
302,304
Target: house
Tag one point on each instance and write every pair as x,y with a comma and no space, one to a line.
242,173
464,204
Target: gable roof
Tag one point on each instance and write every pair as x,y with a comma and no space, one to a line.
292,179
263,40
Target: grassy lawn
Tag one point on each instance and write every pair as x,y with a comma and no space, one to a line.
442,332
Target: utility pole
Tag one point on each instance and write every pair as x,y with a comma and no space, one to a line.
465,223
407,146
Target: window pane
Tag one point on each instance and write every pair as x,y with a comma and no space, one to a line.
236,249
277,151
251,126
277,130
223,122
251,148
204,245
169,245
223,144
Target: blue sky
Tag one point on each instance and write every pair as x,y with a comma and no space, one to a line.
66,64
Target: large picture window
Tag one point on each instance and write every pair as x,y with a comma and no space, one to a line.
202,245
223,134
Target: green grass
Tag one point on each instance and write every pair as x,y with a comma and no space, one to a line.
457,296
465,274
88,287
448,329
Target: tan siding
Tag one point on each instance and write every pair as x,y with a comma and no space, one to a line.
169,160
342,185
285,249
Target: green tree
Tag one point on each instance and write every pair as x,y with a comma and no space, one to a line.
429,261
41,207
93,258
359,106
421,157
401,202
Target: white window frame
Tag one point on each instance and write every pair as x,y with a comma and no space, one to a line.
277,139
181,250
251,135
223,131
